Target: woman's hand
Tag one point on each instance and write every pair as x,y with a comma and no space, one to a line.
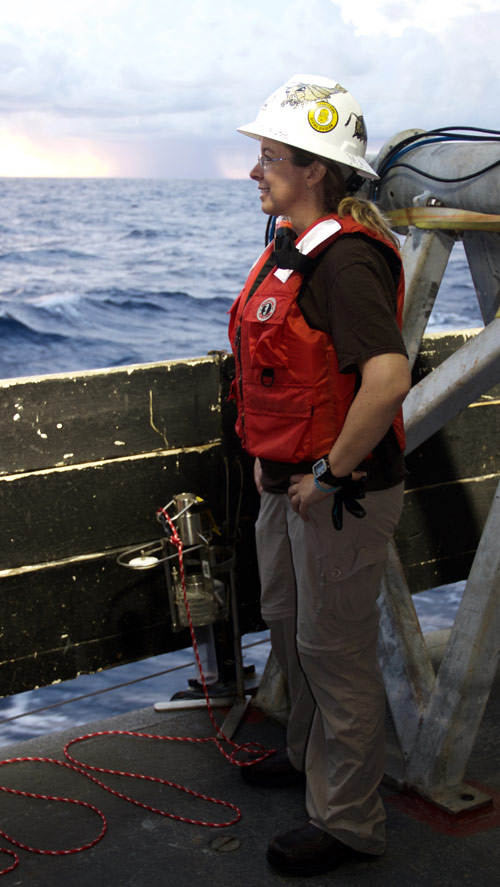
303,492
257,476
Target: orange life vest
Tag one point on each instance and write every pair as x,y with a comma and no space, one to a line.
292,400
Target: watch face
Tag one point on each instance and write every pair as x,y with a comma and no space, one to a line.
320,467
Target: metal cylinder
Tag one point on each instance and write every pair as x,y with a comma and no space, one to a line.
401,187
189,523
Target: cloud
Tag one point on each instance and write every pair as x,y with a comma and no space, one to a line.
151,84
375,17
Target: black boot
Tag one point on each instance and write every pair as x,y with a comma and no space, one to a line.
309,850
273,772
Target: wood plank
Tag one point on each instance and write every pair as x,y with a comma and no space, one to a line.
76,618
467,446
443,218
68,605
440,529
63,513
65,664
428,575
87,417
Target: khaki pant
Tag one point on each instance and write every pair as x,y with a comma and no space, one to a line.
319,597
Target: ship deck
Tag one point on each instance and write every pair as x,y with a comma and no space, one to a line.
425,845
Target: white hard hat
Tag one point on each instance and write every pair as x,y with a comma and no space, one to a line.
318,115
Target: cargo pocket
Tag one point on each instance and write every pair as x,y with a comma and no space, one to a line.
350,583
341,604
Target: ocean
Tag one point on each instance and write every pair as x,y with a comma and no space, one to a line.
109,272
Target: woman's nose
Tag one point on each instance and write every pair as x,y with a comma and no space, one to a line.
256,171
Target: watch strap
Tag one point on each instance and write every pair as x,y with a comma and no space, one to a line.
327,476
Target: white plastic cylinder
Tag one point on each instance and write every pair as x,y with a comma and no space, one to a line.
204,635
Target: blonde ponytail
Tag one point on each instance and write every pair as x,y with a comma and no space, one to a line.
366,213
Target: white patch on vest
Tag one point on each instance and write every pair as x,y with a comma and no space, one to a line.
266,309
283,274
313,238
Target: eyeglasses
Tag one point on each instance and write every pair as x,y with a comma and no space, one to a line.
263,160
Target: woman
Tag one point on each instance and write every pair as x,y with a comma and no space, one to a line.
321,374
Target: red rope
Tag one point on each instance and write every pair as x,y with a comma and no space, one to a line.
13,791
253,748
14,864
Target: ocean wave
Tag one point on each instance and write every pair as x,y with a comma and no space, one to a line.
135,299
14,331
60,299
106,334
119,296
47,255
138,234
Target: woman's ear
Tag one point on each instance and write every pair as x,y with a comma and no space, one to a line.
316,172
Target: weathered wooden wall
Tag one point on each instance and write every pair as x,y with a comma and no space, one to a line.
86,460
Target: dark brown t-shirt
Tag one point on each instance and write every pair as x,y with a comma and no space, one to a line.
351,295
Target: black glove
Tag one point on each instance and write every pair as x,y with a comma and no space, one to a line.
348,495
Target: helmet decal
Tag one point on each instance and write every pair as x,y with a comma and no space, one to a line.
359,127
309,92
323,117
266,309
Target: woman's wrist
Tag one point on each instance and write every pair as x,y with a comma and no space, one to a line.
325,489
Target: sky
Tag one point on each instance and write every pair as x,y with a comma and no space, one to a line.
157,88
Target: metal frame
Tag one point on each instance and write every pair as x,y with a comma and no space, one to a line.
437,716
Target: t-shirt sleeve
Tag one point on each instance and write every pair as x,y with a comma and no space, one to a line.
352,295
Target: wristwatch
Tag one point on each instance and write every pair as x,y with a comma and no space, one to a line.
322,472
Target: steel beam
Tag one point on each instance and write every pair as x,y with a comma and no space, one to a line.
403,656
451,721
425,257
483,254
452,386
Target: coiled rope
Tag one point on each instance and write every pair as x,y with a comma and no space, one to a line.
255,749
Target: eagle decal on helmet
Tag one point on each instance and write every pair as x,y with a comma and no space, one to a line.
309,92
359,127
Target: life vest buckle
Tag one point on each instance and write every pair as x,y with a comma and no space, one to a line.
267,377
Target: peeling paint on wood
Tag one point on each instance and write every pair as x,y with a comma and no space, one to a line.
86,414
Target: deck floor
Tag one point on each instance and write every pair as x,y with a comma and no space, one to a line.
144,849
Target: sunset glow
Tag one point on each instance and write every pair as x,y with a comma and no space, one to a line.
23,157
